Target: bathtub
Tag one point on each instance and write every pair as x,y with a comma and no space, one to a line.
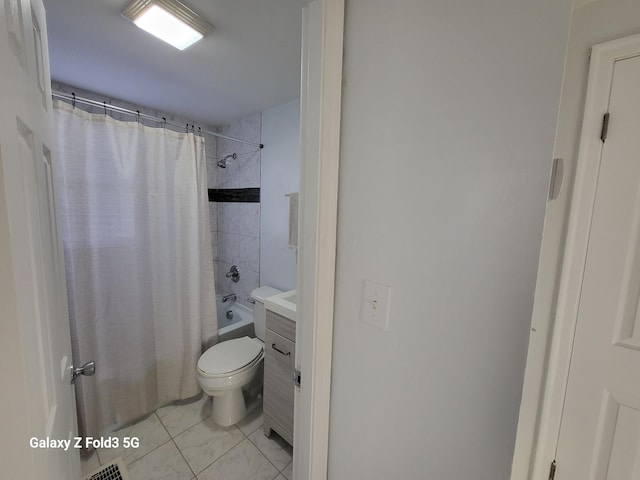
241,323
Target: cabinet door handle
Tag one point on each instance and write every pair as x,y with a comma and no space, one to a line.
286,354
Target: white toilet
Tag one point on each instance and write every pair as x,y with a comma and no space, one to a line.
227,367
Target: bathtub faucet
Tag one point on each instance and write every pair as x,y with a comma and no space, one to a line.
231,296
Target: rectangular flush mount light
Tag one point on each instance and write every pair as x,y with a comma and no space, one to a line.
169,20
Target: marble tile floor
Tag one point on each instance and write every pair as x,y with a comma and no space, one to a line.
181,442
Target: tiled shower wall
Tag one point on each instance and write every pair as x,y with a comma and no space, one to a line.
235,226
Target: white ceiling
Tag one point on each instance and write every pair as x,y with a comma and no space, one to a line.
249,64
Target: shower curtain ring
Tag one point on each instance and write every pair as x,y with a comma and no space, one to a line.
104,104
164,123
73,102
138,116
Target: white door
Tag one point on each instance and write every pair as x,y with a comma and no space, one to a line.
35,323
600,429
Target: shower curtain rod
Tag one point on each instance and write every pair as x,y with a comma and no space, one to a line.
75,99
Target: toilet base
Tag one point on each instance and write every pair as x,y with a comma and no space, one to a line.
229,408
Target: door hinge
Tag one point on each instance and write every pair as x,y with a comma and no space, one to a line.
552,470
605,127
297,377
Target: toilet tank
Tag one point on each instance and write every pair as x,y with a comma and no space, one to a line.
259,312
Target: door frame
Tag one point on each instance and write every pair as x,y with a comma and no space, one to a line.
323,29
320,105
547,370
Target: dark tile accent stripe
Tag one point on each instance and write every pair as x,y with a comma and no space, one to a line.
245,195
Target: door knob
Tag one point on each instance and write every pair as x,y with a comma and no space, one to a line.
87,369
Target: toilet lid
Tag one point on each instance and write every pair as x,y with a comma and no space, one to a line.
229,356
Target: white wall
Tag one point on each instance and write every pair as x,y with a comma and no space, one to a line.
595,22
448,124
280,171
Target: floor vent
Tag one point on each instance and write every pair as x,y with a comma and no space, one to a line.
114,470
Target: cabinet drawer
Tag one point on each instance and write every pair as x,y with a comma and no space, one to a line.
279,390
281,325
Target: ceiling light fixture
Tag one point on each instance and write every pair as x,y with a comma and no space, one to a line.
168,20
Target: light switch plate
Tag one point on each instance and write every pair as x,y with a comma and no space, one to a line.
375,304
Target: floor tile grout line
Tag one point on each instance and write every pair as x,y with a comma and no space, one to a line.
235,445
184,458
186,429
221,455
116,433
195,476
171,438
214,461
138,459
177,406
176,445
264,454
245,435
158,446
285,467
154,448
254,430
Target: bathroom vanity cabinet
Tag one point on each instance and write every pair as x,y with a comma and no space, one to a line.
279,364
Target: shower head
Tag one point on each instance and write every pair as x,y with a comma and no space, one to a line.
222,163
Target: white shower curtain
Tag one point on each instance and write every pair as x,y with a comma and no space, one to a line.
133,207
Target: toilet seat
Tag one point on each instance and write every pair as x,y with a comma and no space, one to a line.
230,357
229,376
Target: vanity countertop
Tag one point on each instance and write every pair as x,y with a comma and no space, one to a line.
283,304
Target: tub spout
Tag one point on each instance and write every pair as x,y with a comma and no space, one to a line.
231,296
